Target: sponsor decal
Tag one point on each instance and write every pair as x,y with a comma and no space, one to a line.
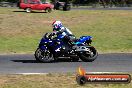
82,77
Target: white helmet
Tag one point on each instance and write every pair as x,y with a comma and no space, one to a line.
57,25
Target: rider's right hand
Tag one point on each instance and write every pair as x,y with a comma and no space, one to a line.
52,34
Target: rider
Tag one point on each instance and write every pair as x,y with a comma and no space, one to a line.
58,28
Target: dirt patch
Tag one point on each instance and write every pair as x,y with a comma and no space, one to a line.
51,81
47,22
3,81
1,20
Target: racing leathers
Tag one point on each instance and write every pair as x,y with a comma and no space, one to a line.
68,36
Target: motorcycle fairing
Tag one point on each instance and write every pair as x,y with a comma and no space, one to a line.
51,43
83,39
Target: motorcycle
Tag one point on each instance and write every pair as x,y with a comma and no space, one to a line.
57,48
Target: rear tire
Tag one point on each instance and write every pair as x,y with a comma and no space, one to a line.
28,10
43,56
89,56
48,10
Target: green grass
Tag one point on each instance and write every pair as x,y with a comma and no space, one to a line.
50,81
20,32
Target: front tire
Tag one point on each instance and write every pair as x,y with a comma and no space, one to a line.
89,56
44,56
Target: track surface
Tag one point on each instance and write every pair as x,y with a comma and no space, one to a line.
11,64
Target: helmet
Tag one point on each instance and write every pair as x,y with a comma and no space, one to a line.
57,25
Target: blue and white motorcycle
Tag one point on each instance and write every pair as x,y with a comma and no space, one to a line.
54,48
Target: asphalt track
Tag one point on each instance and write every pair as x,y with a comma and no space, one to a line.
17,64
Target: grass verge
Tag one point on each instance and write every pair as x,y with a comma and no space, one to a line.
50,81
20,32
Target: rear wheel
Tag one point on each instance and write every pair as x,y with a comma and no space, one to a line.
89,56
28,10
48,10
44,56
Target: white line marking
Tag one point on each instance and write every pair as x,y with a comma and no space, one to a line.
32,73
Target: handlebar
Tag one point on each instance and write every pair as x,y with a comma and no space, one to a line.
48,35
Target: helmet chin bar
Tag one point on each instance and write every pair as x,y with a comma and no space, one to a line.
57,25
55,29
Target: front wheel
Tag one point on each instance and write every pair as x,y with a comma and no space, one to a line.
89,56
44,56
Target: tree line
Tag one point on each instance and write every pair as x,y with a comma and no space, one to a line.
13,1
103,2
